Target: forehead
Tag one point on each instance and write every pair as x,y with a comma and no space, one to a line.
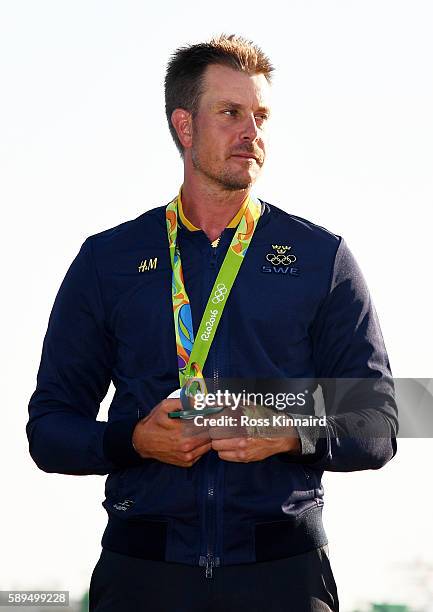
224,83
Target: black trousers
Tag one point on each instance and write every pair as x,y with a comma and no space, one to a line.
303,583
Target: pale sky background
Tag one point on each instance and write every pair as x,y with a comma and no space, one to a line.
84,146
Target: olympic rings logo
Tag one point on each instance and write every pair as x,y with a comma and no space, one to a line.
219,294
284,260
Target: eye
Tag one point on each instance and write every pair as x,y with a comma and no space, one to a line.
231,112
261,117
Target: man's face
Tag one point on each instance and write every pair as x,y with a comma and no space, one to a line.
228,143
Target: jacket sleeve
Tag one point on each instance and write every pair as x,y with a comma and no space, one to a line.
73,378
354,373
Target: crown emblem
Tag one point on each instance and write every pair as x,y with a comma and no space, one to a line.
281,249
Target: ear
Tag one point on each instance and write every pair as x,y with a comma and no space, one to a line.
182,123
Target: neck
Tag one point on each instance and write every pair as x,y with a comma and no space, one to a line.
209,207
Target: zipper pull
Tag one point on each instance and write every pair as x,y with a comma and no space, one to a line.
209,561
209,566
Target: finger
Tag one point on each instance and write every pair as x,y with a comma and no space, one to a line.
200,450
170,405
236,456
190,463
162,413
191,456
200,440
189,443
228,444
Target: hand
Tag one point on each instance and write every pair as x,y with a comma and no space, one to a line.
157,436
244,450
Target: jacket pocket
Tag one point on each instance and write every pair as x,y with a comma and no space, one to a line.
302,500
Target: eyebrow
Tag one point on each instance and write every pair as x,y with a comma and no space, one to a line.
236,105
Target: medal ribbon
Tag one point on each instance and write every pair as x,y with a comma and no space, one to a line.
192,353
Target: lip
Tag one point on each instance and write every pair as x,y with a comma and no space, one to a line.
246,156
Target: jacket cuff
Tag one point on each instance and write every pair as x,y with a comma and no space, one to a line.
117,443
315,445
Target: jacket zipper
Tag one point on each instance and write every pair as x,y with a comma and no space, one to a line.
215,368
210,560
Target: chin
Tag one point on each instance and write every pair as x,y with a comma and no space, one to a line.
235,182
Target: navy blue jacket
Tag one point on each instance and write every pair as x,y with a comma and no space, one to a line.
112,320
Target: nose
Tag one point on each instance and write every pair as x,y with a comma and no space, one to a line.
249,129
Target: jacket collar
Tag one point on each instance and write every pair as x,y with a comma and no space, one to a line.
192,228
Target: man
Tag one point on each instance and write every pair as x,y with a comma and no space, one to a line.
217,284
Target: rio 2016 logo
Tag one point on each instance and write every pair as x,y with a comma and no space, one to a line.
219,296
209,325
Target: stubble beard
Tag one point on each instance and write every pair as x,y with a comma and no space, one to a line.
224,178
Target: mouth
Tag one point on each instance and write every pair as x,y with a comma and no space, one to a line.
247,156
